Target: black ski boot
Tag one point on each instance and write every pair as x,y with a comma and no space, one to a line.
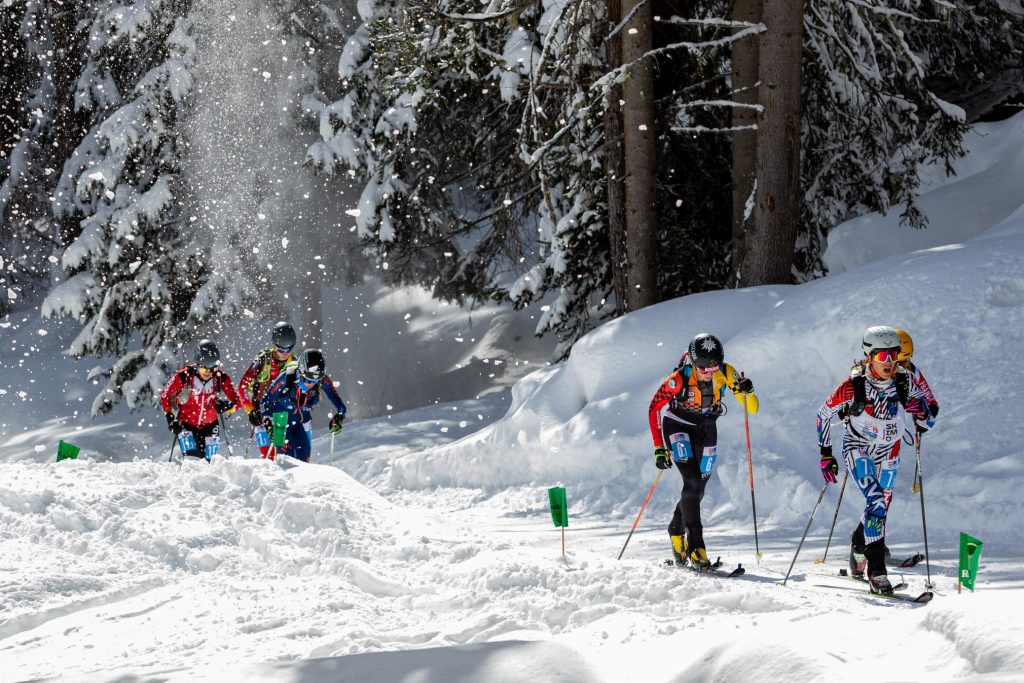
878,576
879,584
858,561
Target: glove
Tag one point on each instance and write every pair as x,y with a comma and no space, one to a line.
268,424
336,423
829,466
225,405
744,385
661,458
716,411
173,423
255,417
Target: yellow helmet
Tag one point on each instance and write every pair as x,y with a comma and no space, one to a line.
906,345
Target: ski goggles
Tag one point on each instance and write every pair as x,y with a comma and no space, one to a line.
285,349
308,381
886,355
710,368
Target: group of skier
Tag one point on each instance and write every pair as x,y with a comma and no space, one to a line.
883,402
275,382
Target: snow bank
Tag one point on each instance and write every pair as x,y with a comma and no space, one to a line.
583,423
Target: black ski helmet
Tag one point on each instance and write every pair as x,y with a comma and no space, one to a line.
706,351
206,355
283,335
311,365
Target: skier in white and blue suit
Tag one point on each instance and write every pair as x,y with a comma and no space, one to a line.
296,391
874,402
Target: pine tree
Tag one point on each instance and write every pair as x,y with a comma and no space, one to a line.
133,275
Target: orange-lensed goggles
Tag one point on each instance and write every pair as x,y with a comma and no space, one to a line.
886,355
710,368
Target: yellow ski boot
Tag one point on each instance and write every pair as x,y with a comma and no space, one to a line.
679,550
699,560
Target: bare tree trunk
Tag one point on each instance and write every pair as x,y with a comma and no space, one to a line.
744,142
640,158
772,237
615,165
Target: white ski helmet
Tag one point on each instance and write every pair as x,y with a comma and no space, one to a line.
880,337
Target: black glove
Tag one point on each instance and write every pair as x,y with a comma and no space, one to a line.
829,466
336,423
662,460
255,417
173,423
744,385
225,405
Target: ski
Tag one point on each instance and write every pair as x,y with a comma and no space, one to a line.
899,597
714,570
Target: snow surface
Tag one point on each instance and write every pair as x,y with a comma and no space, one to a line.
424,551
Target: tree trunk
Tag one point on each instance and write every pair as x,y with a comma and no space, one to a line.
640,158
614,165
772,237
744,142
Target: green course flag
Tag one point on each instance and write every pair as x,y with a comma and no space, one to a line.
970,554
67,451
559,510
280,425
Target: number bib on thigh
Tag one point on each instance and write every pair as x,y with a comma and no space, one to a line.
682,449
187,442
262,438
707,460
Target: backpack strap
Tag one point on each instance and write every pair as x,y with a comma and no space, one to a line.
860,392
902,380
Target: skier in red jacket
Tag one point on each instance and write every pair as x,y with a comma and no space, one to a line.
193,391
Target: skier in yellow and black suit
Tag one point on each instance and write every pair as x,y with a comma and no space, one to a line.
683,413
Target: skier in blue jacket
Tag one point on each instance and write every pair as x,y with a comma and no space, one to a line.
295,391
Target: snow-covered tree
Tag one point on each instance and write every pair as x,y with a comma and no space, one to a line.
34,44
872,119
132,271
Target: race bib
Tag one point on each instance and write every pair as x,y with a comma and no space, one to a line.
262,438
682,449
707,460
187,442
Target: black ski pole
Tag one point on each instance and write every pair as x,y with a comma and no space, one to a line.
248,444
924,524
824,557
820,496
174,442
220,419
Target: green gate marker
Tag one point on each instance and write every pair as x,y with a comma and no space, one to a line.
280,425
970,555
559,511
67,451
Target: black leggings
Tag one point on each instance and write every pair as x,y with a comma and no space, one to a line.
686,518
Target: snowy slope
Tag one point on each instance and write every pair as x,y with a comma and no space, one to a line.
583,423
426,553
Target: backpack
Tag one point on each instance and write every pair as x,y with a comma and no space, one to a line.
860,392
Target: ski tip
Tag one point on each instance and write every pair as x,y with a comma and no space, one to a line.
924,597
